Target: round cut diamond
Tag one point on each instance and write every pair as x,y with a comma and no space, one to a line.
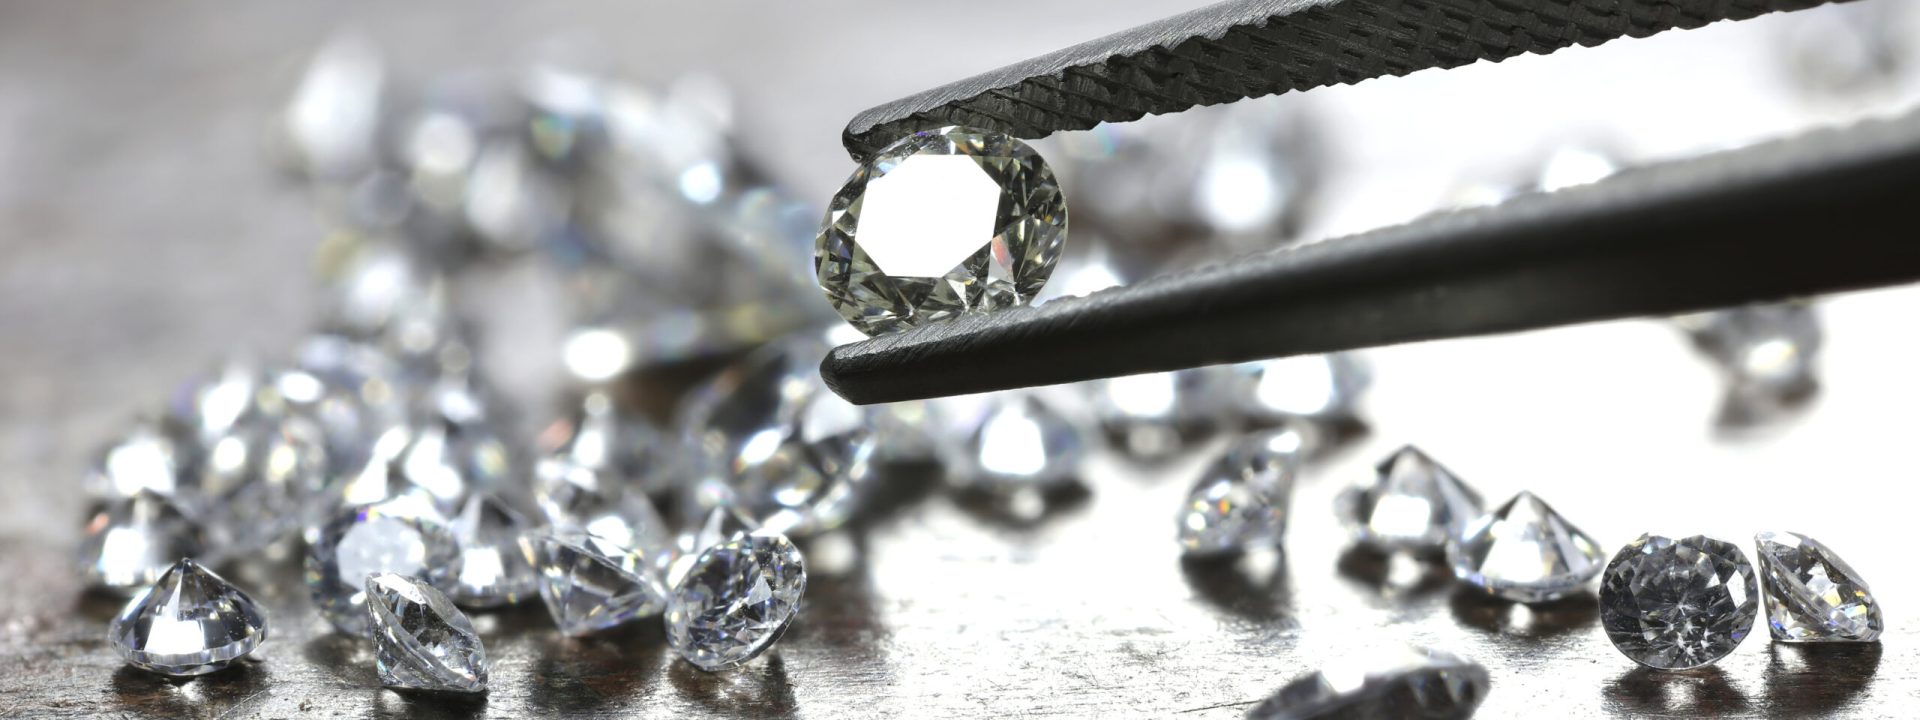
493,571
1677,604
404,535
1407,683
190,622
1525,552
941,222
132,540
1414,504
421,641
591,583
1812,595
736,600
1241,503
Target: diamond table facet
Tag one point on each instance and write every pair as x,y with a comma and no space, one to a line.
736,600
1811,594
1525,552
421,641
190,622
1677,604
942,222
1408,683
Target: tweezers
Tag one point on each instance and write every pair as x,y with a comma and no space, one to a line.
1793,217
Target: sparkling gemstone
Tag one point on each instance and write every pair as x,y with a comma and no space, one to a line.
1241,501
154,455
1812,595
721,525
736,600
256,480
420,640
355,391
1414,504
591,583
769,438
189,622
1525,552
1316,387
405,535
941,222
1015,442
1155,414
440,460
1763,348
1677,604
493,570
603,436
130,541
572,495
1409,683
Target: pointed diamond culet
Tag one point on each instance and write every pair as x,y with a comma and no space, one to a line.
736,600
1241,502
1414,504
404,535
1405,683
1525,552
190,622
1677,604
1811,594
421,641
590,583
942,222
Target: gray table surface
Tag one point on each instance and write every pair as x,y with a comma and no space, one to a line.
142,235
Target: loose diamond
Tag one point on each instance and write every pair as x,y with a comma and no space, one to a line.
257,477
1314,387
404,535
1677,604
1155,414
1812,595
1525,552
1410,683
941,222
420,640
131,541
1017,443
493,571
583,497
722,525
1241,501
439,460
1766,347
190,622
736,600
153,455
603,436
591,583
1414,504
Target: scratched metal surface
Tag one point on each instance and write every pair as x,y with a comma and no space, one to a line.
132,180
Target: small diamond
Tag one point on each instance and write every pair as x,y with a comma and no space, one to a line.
572,495
1677,604
256,478
722,525
941,222
493,570
1525,552
1315,387
603,436
1155,414
421,641
355,391
1241,501
736,600
1768,347
1017,443
130,541
1414,504
591,583
154,455
190,622
1410,683
1812,595
405,535
440,460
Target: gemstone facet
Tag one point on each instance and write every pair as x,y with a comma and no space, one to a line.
1241,501
1677,604
1811,594
132,540
493,571
421,641
590,583
1525,552
1414,504
190,622
404,535
942,222
736,600
722,525
1409,683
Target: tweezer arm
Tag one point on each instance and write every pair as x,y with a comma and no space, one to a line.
1823,212
1252,48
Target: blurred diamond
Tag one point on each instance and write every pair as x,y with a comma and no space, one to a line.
493,570
1812,595
721,525
576,496
441,460
941,222
1240,503
1156,414
1317,387
130,541
1677,604
606,437
189,622
420,640
405,535
1016,443
736,600
1410,683
153,455
1525,552
1414,504
332,125
590,583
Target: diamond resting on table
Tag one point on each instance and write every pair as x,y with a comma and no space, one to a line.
190,622
1408,683
736,600
405,535
421,641
1525,552
591,583
942,222
1414,504
1677,604
1240,503
1811,594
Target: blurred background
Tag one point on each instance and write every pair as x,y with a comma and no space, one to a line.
624,195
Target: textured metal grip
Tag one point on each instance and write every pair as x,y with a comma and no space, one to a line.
1252,48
